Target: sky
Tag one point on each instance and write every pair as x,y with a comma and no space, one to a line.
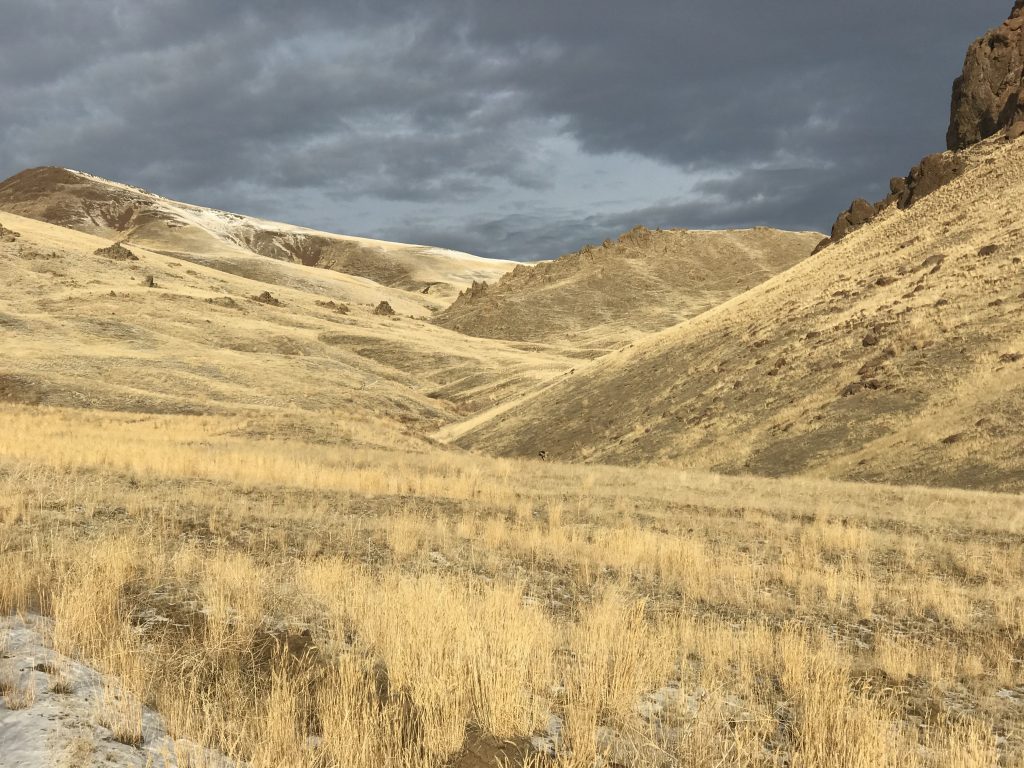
519,129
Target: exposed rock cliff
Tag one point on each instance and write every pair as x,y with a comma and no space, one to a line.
987,98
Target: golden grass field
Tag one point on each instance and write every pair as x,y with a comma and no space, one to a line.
316,604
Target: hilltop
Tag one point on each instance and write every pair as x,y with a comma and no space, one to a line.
229,241
894,355
602,296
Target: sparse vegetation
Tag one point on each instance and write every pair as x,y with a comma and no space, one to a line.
16,689
289,604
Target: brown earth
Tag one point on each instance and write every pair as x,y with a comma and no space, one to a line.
603,296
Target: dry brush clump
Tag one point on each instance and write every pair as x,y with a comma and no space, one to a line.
291,605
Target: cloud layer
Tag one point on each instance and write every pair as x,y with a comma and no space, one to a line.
519,130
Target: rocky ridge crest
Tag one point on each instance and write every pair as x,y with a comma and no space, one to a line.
987,98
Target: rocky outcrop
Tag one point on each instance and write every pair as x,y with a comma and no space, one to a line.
987,98
7,235
989,95
117,252
924,178
476,290
266,298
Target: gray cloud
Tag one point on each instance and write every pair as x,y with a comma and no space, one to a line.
488,126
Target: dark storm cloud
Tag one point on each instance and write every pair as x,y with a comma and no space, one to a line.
433,121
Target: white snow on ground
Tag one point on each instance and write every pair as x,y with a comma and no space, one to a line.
43,729
229,225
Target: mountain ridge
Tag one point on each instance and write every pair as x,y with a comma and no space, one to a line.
111,209
858,363
600,297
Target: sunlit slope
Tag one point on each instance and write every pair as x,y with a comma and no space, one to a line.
645,281
230,241
896,354
85,330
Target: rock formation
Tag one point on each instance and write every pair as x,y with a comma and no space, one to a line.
987,98
267,298
989,95
117,252
7,235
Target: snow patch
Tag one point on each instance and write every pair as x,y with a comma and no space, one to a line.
53,707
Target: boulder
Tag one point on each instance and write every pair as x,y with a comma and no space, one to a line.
7,235
117,252
989,96
266,298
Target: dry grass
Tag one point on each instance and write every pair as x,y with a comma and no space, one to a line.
83,331
292,605
604,297
17,689
858,363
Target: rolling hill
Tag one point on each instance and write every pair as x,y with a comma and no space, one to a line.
896,354
119,300
602,296
127,329
229,241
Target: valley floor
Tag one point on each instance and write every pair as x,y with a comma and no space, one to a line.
314,599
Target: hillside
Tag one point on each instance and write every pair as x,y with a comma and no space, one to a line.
602,296
143,332
896,354
268,499
229,241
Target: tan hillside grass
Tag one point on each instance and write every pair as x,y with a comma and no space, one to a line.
243,245
291,605
602,297
84,331
895,355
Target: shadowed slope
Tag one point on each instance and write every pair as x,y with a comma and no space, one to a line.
896,354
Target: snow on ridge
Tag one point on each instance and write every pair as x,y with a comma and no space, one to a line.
226,224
